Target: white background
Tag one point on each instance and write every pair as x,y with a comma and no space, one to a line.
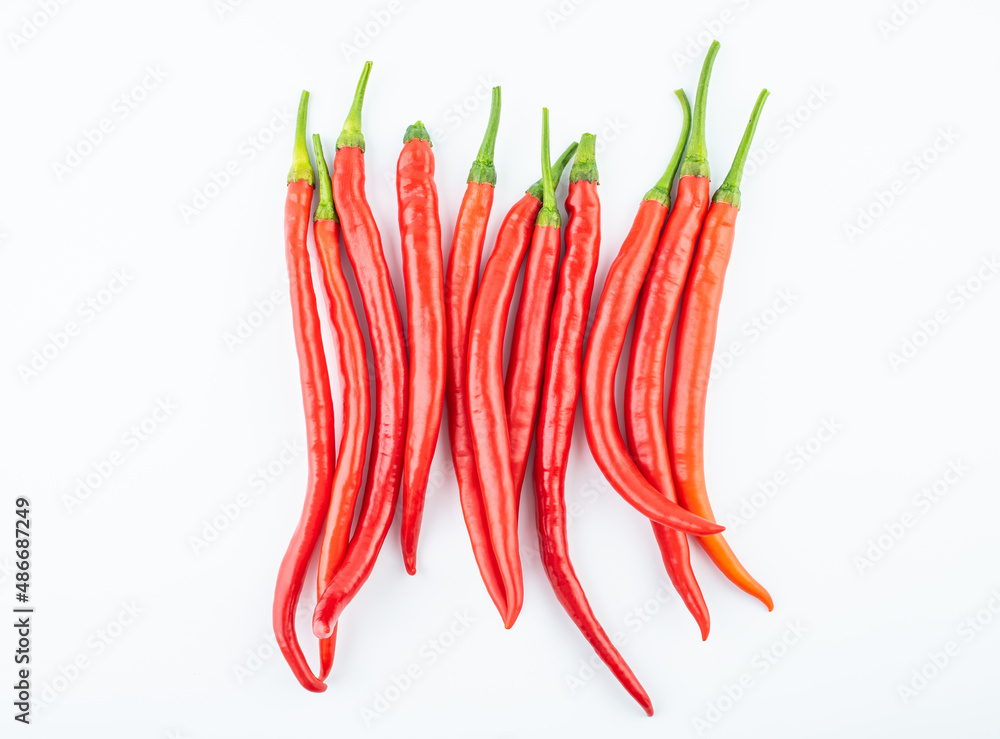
198,662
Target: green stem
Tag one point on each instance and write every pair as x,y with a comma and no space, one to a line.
729,192
325,209
558,167
585,163
417,131
549,214
351,135
696,161
483,169
661,190
301,168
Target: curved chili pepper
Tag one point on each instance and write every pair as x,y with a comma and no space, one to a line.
487,414
364,249
561,387
644,388
460,293
604,348
353,367
423,278
316,400
526,362
693,361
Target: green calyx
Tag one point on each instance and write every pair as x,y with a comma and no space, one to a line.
585,162
558,166
483,169
418,132
301,168
729,191
549,214
661,190
325,209
696,161
351,135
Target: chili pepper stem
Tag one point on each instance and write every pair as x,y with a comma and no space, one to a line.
549,214
301,168
325,209
419,132
661,190
729,191
696,161
351,135
558,167
483,169
585,162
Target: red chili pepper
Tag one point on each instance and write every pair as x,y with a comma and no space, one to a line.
460,294
364,249
526,362
693,361
353,367
487,412
644,388
564,357
423,276
604,348
317,401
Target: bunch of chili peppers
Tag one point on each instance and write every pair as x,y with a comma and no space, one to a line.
672,262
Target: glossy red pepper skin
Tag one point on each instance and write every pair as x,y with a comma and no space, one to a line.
695,344
385,328
461,280
560,390
645,384
487,414
423,276
317,402
604,348
356,398
526,362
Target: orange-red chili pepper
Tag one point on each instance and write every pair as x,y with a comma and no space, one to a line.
563,360
364,249
317,401
693,361
487,414
644,387
604,348
460,294
423,277
526,362
353,370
